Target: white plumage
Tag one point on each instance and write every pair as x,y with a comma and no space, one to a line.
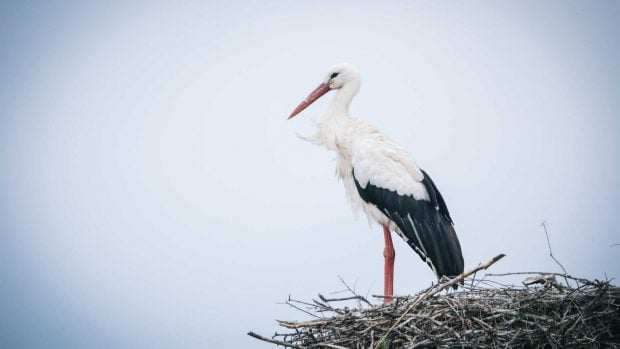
391,189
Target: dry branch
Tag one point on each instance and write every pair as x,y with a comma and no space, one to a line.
544,226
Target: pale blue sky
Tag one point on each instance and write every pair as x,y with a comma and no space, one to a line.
153,194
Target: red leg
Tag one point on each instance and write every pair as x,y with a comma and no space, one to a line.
389,254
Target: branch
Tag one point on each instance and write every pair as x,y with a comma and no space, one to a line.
356,296
274,341
583,281
344,299
544,225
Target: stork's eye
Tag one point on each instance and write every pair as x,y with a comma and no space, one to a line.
334,75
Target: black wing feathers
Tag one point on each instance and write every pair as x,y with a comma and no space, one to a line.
435,195
427,225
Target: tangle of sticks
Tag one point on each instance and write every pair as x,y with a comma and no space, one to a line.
483,313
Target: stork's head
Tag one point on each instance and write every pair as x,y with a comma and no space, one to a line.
340,76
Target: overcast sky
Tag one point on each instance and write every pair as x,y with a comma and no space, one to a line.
153,194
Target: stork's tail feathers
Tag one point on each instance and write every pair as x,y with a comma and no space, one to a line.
452,255
455,263
444,257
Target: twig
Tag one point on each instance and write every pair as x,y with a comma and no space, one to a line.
288,302
582,280
382,296
331,346
344,299
274,341
544,225
346,285
353,291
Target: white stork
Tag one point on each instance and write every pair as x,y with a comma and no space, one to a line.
384,180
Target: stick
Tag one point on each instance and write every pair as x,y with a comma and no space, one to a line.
544,225
437,289
392,296
274,341
332,346
343,299
353,290
583,281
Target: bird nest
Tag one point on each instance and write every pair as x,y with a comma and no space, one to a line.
550,310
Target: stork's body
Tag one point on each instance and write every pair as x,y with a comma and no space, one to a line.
383,180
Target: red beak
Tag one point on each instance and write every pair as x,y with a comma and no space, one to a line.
316,94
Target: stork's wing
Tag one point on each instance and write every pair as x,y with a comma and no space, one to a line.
407,195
